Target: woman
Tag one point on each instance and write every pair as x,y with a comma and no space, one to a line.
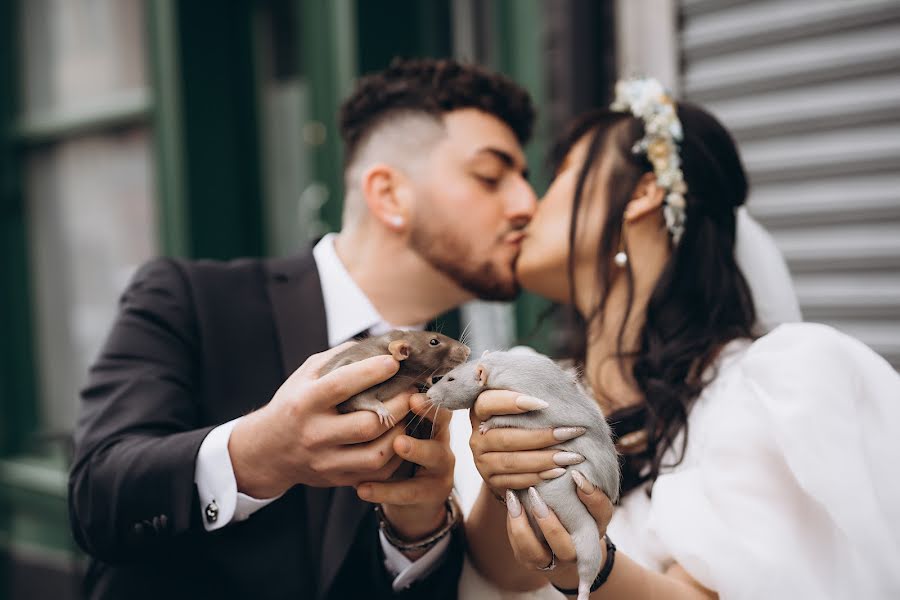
754,466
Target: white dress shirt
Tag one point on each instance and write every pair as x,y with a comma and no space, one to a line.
348,312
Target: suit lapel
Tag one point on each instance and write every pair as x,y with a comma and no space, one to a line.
333,514
299,310
345,514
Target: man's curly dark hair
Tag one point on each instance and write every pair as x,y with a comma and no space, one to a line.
435,87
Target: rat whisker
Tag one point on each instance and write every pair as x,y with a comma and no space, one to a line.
437,408
416,421
465,333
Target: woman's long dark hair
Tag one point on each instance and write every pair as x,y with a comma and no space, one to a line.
701,300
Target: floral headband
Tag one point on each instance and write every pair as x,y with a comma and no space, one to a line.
646,99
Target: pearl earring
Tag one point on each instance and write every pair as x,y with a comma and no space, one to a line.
621,258
397,221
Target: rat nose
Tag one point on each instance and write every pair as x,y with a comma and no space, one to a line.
435,379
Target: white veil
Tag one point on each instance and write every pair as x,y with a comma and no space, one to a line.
766,273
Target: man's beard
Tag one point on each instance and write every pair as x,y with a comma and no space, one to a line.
452,257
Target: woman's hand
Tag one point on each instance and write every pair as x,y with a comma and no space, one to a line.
509,458
535,554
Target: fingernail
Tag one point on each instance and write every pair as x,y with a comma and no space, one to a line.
512,504
567,458
530,403
583,484
552,473
403,445
388,361
364,492
564,434
537,503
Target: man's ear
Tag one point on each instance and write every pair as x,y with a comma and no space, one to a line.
481,374
399,349
646,198
385,194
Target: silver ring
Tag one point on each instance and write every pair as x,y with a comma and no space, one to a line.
552,564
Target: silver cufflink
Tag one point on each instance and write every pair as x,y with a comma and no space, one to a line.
212,512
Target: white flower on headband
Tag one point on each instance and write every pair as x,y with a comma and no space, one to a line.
646,99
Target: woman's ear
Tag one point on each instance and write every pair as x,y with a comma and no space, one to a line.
384,191
646,198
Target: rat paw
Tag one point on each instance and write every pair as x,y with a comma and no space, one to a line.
385,416
483,427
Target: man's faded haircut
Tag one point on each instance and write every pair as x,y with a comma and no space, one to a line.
431,87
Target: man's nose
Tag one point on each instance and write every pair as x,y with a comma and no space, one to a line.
522,202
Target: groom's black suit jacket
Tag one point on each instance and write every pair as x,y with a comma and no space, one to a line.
197,344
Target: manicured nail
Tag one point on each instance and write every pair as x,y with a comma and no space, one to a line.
537,503
564,434
583,484
530,403
567,458
512,504
552,473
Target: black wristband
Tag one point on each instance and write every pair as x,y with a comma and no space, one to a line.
603,575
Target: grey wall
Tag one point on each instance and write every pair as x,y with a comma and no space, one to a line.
811,91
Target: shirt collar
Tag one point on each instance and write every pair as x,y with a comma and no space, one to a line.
348,311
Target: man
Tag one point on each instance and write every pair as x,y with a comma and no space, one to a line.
208,464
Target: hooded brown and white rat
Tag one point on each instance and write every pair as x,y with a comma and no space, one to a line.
422,356
536,375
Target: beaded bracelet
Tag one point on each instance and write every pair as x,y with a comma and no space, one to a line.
603,575
454,518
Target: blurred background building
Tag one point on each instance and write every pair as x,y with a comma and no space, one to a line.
131,128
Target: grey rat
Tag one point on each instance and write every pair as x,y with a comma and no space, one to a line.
422,355
569,405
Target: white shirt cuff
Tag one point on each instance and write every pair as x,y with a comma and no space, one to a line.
407,572
220,501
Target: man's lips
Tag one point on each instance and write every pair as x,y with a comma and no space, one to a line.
514,237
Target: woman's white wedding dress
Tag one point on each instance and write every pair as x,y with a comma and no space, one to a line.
789,484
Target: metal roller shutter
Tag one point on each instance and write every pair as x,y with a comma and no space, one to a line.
811,91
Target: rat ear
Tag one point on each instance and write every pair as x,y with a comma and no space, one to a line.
399,349
481,374
485,353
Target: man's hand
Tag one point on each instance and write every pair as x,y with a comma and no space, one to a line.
416,506
299,437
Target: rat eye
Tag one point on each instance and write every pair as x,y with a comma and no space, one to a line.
434,342
451,379
434,380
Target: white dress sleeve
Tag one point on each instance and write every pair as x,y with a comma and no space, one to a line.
789,488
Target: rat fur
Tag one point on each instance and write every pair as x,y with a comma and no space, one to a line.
422,355
569,405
